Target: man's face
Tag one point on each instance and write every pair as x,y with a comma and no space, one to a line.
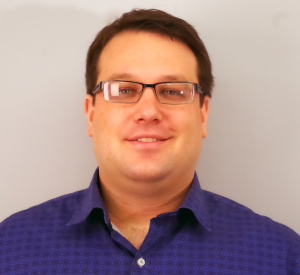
116,127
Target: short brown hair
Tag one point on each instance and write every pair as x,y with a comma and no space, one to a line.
156,21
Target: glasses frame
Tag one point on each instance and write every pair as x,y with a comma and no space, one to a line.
197,89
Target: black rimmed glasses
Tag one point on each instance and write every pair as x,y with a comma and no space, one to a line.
130,92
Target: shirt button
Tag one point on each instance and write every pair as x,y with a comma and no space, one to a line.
141,262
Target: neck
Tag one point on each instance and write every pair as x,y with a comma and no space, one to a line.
131,205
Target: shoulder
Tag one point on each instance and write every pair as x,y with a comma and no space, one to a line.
254,240
53,212
27,235
230,216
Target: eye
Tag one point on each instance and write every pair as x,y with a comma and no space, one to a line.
125,91
170,92
173,92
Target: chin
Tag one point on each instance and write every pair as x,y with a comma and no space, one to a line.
147,174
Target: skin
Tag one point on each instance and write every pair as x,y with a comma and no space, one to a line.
142,180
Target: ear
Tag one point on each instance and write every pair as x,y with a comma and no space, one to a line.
204,116
89,112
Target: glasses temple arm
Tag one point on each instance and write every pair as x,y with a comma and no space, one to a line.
199,89
98,87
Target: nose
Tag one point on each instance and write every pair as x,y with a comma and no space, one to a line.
148,108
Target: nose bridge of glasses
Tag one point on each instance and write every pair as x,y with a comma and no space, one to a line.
144,86
148,86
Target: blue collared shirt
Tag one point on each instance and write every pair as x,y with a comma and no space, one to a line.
208,234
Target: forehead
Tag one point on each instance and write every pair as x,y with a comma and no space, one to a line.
145,56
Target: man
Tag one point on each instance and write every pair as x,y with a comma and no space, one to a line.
149,81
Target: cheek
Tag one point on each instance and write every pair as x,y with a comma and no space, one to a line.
105,133
193,138
108,123
187,122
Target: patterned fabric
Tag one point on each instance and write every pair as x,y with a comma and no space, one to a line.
208,234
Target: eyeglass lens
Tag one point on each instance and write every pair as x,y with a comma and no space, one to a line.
128,92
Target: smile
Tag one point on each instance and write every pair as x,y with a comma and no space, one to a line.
148,139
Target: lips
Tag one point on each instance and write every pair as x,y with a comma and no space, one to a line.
148,138
146,143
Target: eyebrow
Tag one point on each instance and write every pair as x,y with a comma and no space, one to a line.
121,76
131,77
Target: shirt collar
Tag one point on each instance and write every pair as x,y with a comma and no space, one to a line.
195,201
91,199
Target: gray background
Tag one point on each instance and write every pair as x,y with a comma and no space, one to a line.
252,152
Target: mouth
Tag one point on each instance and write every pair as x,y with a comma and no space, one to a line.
149,139
147,143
